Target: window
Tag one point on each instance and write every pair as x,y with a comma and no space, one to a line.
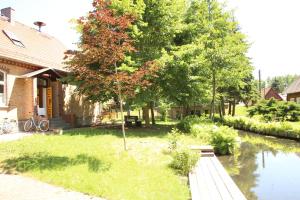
14,38
298,100
2,88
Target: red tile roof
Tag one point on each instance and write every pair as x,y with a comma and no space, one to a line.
40,49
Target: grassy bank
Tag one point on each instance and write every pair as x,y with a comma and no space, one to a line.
92,161
289,130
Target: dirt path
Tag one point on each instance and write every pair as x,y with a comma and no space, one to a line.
13,187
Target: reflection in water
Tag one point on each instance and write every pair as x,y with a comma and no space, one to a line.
266,168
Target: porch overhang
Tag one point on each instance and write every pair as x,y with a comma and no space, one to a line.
51,73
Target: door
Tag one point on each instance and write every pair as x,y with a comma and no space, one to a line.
42,106
49,103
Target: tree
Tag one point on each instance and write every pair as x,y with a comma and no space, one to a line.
280,83
102,67
212,43
161,20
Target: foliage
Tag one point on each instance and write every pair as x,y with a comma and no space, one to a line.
187,123
102,67
273,110
173,138
209,54
279,129
163,110
184,161
280,83
202,131
224,140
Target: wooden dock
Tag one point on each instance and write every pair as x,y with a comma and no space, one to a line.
210,181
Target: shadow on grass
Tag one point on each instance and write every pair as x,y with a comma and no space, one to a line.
152,131
44,161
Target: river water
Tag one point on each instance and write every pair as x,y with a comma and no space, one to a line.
266,168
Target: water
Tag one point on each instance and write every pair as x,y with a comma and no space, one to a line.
266,168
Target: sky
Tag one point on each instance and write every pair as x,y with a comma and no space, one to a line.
272,27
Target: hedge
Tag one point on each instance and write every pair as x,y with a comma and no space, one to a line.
289,130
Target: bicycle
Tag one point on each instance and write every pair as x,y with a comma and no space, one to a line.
40,124
7,126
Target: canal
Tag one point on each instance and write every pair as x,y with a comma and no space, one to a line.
265,168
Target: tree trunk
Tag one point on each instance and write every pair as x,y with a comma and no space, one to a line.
220,110
212,108
229,108
223,106
121,108
146,116
233,108
152,112
128,112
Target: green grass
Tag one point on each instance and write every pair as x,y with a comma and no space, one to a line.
93,161
241,110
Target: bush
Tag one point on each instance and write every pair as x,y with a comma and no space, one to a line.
184,161
282,129
173,137
187,123
202,131
224,140
273,110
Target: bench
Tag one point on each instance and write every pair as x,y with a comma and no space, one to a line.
130,119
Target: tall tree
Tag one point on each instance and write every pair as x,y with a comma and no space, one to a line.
101,68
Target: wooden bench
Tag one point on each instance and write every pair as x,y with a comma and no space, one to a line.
130,119
210,181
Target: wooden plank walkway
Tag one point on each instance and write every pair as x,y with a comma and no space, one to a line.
210,181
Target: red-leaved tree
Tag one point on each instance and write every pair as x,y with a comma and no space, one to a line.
99,67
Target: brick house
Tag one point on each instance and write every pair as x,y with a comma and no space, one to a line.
293,91
268,93
31,63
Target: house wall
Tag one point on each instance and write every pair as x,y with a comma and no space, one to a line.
176,112
85,112
19,93
293,97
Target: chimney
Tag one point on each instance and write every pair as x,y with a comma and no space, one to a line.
9,13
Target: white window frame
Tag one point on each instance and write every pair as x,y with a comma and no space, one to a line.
4,83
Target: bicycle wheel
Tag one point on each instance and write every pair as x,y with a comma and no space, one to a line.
44,125
28,125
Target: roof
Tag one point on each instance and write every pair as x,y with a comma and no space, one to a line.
40,49
265,91
54,72
269,92
294,87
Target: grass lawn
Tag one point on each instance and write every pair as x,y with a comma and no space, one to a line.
92,161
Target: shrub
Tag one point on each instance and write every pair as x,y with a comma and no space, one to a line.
184,161
273,110
173,137
223,140
283,129
202,131
187,123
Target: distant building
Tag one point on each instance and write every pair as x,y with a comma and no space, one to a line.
293,91
268,93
